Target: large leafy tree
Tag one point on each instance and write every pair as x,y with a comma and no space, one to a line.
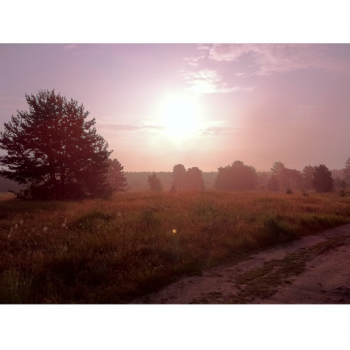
54,150
237,176
194,180
179,178
323,181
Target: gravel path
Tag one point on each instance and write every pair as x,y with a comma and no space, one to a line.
312,270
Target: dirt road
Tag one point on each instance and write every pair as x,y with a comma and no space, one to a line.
312,270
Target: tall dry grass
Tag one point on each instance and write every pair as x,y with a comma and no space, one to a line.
110,251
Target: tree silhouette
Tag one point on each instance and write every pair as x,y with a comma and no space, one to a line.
194,180
347,171
273,183
53,150
323,181
237,176
277,168
116,177
287,178
179,178
308,177
155,183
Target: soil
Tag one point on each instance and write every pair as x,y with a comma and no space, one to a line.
312,270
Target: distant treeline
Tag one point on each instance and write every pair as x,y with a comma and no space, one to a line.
138,181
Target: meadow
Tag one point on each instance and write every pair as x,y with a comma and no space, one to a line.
111,251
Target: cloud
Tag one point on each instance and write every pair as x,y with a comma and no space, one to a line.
69,47
208,81
194,61
203,47
191,61
219,130
306,109
275,58
127,127
229,52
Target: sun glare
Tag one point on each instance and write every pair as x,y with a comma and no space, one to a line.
179,114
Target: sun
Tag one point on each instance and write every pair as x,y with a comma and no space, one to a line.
179,115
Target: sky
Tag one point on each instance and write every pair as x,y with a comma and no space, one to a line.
203,105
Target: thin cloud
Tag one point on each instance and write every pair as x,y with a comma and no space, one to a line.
219,130
128,127
69,47
275,58
229,52
194,61
208,81
306,109
203,47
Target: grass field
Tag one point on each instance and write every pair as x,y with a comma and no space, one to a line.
111,251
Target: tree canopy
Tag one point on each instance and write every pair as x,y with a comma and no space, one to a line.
179,177
308,176
286,178
237,176
194,180
347,171
53,150
323,181
190,180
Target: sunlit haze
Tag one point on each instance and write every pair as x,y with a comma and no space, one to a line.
203,105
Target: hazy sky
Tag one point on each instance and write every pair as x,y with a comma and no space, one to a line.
201,105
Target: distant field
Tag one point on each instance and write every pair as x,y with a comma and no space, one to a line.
111,251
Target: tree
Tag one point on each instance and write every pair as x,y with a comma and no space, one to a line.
323,181
347,171
155,183
194,180
53,150
287,178
277,168
308,176
116,177
179,178
237,176
263,178
292,178
272,183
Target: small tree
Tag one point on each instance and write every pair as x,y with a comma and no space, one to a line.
323,181
347,171
53,150
155,183
194,180
179,178
116,177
